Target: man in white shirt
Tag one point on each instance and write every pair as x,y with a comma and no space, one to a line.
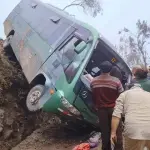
135,105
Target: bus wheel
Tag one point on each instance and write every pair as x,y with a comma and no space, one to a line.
7,42
34,95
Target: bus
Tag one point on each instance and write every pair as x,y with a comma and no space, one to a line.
55,51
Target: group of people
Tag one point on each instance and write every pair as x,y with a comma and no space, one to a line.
113,103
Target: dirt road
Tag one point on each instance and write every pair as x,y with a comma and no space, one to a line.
49,138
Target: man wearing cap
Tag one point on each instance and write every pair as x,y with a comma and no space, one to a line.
135,105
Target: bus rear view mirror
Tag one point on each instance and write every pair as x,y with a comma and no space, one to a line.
90,39
80,47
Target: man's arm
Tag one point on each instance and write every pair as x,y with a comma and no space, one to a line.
120,87
119,107
118,110
114,124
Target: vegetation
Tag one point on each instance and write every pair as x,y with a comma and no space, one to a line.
133,46
89,6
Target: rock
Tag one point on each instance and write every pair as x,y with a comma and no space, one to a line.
1,129
2,113
8,134
1,116
9,121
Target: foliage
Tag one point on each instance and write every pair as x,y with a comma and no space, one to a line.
133,47
91,6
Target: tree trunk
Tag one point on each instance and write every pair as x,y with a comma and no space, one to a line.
141,49
143,57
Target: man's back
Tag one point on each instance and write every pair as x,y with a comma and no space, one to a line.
145,83
136,107
106,90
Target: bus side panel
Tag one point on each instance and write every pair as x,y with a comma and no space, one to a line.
38,52
21,29
30,49
41,21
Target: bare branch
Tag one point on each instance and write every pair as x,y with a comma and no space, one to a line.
91,6
136,43
71,5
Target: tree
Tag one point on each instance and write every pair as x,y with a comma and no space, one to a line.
128,54
91,6
135,45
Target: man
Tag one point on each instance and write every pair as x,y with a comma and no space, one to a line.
115,72
105,90
135,105
142,78
134,69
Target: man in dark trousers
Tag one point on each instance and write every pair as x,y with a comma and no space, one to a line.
106,90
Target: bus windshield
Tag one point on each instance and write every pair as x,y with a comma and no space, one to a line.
102,53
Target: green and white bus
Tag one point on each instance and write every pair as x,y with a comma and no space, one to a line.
55,51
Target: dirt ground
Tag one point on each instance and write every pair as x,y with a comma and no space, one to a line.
50,138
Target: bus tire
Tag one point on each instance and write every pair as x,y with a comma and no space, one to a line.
33,97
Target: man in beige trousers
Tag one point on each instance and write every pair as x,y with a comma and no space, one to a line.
135,105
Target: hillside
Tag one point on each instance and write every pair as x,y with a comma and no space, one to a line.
15,122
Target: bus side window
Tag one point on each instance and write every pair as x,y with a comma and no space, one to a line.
71,61
68,53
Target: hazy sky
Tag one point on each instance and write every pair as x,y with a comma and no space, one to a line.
116,15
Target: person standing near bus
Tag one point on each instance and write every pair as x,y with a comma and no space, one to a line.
105,90
135,105
141,76
134,69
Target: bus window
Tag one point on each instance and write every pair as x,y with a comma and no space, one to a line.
68,53
71,61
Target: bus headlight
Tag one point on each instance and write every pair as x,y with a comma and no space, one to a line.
69,107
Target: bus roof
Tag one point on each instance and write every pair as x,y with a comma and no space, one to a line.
66,15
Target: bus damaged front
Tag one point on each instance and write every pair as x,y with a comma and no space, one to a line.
63,101
103,52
